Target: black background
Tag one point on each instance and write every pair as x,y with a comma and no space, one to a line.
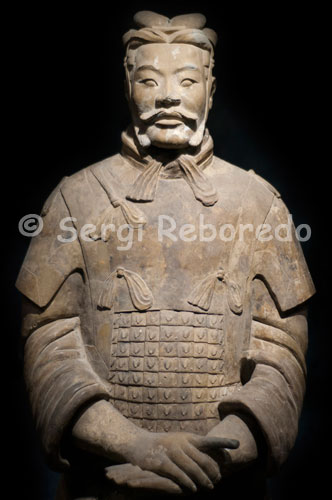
67,109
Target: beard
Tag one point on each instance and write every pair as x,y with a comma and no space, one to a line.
169,137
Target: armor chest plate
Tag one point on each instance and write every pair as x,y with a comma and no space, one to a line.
167,369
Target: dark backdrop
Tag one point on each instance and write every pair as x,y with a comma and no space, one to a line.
67,111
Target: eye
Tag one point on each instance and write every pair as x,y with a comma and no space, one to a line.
187,82
149,82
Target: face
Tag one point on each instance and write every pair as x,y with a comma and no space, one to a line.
169,95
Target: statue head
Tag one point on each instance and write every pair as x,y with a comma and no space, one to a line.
169,82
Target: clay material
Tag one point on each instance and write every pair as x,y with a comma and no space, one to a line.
165,330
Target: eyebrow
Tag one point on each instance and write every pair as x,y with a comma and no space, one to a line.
148,66
188,66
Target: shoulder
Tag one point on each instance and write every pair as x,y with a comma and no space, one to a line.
243,188
237,174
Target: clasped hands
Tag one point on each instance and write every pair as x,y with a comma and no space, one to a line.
173,463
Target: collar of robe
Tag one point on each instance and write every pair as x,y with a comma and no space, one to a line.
153,164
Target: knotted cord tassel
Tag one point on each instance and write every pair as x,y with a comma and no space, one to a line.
106,298
144,187
103,225
234,297
202,294
139,292
198,181
133,215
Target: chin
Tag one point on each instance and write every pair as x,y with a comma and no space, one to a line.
170,137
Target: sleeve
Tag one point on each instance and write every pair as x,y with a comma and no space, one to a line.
59,376
273,364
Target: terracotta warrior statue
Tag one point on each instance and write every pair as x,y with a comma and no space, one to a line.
164,301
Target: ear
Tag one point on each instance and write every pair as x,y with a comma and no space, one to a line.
212,91
126,89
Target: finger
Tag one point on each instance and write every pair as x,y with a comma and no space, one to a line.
205,462
192,469
172,471
156,484
119,473
211,442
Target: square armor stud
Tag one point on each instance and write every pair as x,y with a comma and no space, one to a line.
167,395
151,349
114,335
214,393
200,350
168,334
214,351
153,318
199,320
135,410
168,349
136,364
215,380
199,411
152,333
138,319
214,321
199,394
115,320
122,364
135,394
122,378
200,365
185,333
168,379
151,364
149,425
150,379
201,334
137,333
186,365
123,349
215,366
215,336
150,394
168,364
135,378
165,426
212,410
149,411
199,379
121,392
123,335
186,318
185,349
169,317
125,319
137,349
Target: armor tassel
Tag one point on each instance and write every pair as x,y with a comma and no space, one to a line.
202,294
139,292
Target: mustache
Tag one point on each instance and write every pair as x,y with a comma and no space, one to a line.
153,115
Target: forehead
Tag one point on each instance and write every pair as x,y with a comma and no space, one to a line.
169,55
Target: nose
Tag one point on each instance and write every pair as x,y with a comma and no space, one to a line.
167,101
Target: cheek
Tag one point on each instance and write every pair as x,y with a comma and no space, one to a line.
194,98
143,97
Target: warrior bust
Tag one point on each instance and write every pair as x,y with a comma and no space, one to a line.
174,362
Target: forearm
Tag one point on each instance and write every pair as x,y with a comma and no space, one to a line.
236,428
104,431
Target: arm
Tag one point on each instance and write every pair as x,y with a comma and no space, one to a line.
273,364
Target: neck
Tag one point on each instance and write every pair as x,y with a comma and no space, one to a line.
169,155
